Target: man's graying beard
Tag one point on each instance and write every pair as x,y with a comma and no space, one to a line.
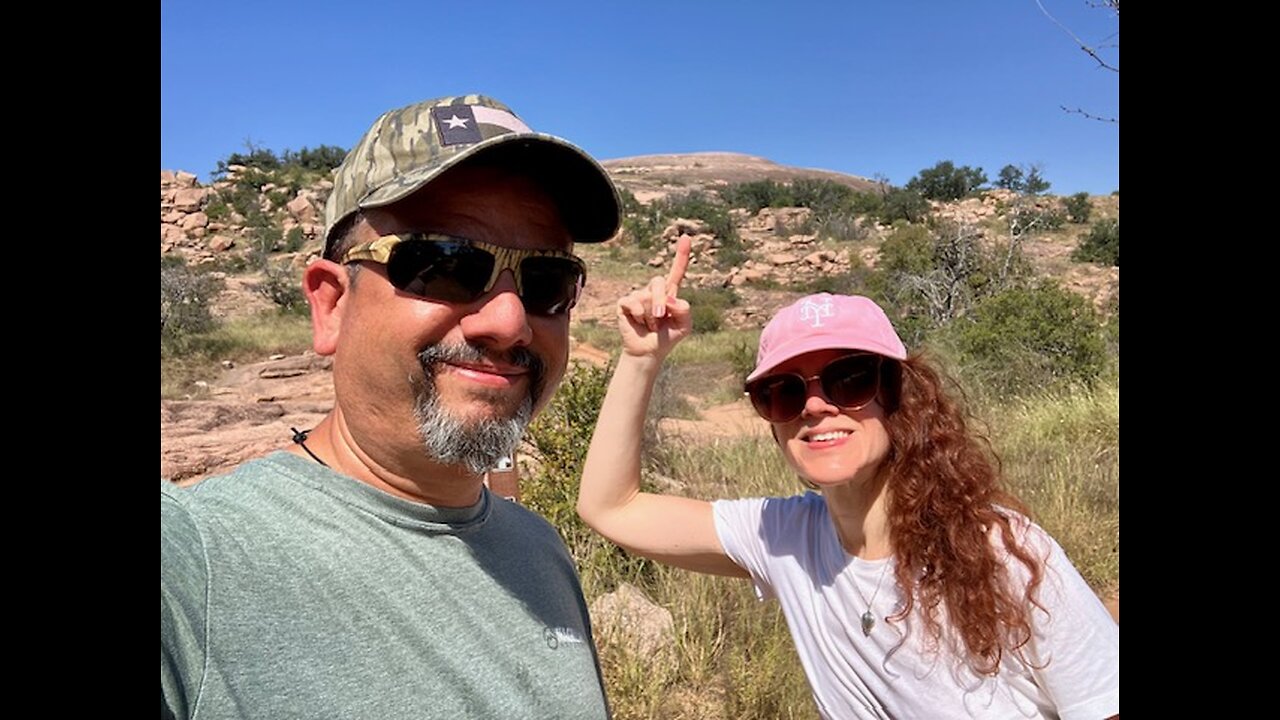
477,445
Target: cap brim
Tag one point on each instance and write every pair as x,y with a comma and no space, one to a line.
811,343
580,187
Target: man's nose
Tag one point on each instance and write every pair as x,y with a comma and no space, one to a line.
498,318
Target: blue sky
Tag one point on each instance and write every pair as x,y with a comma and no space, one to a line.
851,86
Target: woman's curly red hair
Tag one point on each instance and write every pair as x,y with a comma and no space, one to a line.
945,505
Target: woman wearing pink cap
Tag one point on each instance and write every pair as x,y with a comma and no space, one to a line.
912,585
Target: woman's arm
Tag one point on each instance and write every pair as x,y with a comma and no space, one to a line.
670,529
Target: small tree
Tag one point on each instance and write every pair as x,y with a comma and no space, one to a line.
1035,184
1026,180
1010,178
945,181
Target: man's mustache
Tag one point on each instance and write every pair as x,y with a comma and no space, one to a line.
431,356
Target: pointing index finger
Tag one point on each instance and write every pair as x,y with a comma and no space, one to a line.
684,246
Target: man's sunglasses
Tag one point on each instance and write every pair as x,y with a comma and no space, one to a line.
457,270
850,382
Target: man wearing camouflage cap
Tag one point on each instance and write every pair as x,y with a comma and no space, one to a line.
365,571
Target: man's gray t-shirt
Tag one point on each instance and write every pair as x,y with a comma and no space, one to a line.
290,591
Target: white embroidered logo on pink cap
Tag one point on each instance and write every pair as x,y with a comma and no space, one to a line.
812,311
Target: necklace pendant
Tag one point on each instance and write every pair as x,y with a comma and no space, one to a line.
868,622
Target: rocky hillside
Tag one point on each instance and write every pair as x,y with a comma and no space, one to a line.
208,225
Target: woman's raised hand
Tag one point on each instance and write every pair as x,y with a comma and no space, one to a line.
654,318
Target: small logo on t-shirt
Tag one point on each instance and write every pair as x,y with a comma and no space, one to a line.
555,636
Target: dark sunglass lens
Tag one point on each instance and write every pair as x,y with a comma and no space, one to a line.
779,398
853,381
550,284
452,272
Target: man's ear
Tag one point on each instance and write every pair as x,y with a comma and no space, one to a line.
326,285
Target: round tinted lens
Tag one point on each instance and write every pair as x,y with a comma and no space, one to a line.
778,398
452,272
550,285
852,382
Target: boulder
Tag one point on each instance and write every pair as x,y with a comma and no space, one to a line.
627,617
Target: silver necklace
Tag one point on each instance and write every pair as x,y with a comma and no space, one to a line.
869,619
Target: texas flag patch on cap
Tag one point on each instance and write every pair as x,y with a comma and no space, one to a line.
456,124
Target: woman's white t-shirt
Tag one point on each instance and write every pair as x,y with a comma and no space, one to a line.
790,547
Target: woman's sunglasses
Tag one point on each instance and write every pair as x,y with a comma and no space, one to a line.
850,382
457,270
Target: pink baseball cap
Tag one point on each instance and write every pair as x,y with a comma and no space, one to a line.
824,322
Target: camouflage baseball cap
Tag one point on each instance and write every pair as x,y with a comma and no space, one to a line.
409,147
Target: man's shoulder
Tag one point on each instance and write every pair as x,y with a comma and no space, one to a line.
511,513
241,489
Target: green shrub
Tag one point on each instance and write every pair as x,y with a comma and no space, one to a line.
702,206
1101,245
639,230
835,207
232,263
1078,207
743,359
560,435
185,294
824,197
319,161
841,227
1030,339
322,159
945,181
1028,216
903,204
217,209
866,203
731,253
758,194
257,158
708,306
282,286
294,239
850,282
1051,220
907,249
645,223
279,198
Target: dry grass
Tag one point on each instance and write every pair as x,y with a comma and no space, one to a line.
1062,457
240,339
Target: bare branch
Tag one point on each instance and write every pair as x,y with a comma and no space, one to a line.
1089,50
1091,116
